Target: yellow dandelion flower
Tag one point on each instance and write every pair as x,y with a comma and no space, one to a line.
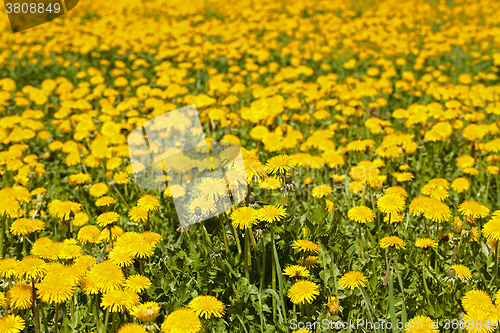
303,291
391,203
137,283
272,213
296,271
462,272
11,324
474,209
207,306
148,202
89,234
437,211
305,245
491,230
426,243
98,190
138,214
132,328
460,185
20,296
31,268
107,218
321,191
421,324
121,256
309,262
108,275
244,217
8,267
352,280
24,226
280,164
393,241
146,312
56,288
105,201
80,219
361,214
119,300
212,189
476,301
181,320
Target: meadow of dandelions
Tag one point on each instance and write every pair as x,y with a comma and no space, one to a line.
370,137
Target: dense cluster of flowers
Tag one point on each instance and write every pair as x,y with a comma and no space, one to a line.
370,139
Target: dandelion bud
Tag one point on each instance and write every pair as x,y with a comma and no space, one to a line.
333,305
451,273
493,244
444,236
457,225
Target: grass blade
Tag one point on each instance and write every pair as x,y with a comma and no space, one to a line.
280,278
369,308
403,310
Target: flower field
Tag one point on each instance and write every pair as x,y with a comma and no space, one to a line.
370,137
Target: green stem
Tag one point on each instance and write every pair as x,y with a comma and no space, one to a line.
308,312
223,230
247,254
236,238
25,316
72,305
496,261
363,195
378,215
110,238
263,268
106,318
273,263
350,304
2,234
121,197
361,241
487,190
254,245
44,318
235,291
498,188
96,311
425,283
56,318
35,308
115,322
